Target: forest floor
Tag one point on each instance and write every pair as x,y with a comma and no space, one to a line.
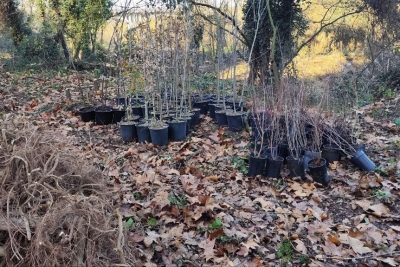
190,203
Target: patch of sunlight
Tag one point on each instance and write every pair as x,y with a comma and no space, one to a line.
242,71
318,65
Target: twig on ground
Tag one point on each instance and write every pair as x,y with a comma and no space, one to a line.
394,253
120,241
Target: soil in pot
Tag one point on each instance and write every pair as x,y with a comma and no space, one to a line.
256,166
331,153
308,156
118,115
87,114
159,134
128,131
221,118
296,166
362,161
143,132
235,120
273,167
318,171
177,130
103,115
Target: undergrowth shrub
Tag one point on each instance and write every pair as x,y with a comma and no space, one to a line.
38,48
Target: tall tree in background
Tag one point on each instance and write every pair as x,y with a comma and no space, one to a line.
290,23
12,19
78,20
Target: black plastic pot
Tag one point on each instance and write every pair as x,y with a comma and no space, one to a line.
159,136
358,147
196,116
221,118
120,101
189,124
202,105
103,115
256,166
128,132
136,110
308,156
235,121
319,171
296,166
273,168
362,161
211,109
177,130
118,115
87,114
283,150
266,150
331,153
143,133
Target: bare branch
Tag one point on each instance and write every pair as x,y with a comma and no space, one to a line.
323,26
225,15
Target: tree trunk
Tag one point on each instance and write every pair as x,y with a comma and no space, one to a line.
61,38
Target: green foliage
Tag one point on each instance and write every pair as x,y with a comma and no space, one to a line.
179,201
397,121
205,83
217,224
137,196
381,195
290,23
152,222
240,164
381,170
40,48
303,259
79,19
285,251
129,223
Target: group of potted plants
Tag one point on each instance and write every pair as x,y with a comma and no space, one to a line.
304,142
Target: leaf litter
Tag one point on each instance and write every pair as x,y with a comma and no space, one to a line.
168,198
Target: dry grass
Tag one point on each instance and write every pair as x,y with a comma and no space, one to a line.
56,209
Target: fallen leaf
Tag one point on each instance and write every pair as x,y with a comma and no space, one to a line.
150,238
364,204
368,119
395,227
208,246
389,261
334,239
380,209
358,246
300,247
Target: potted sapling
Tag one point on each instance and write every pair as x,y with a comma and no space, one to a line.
274,161
87,111
258,158
127,126
104,113
316,164
235,117
296,141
